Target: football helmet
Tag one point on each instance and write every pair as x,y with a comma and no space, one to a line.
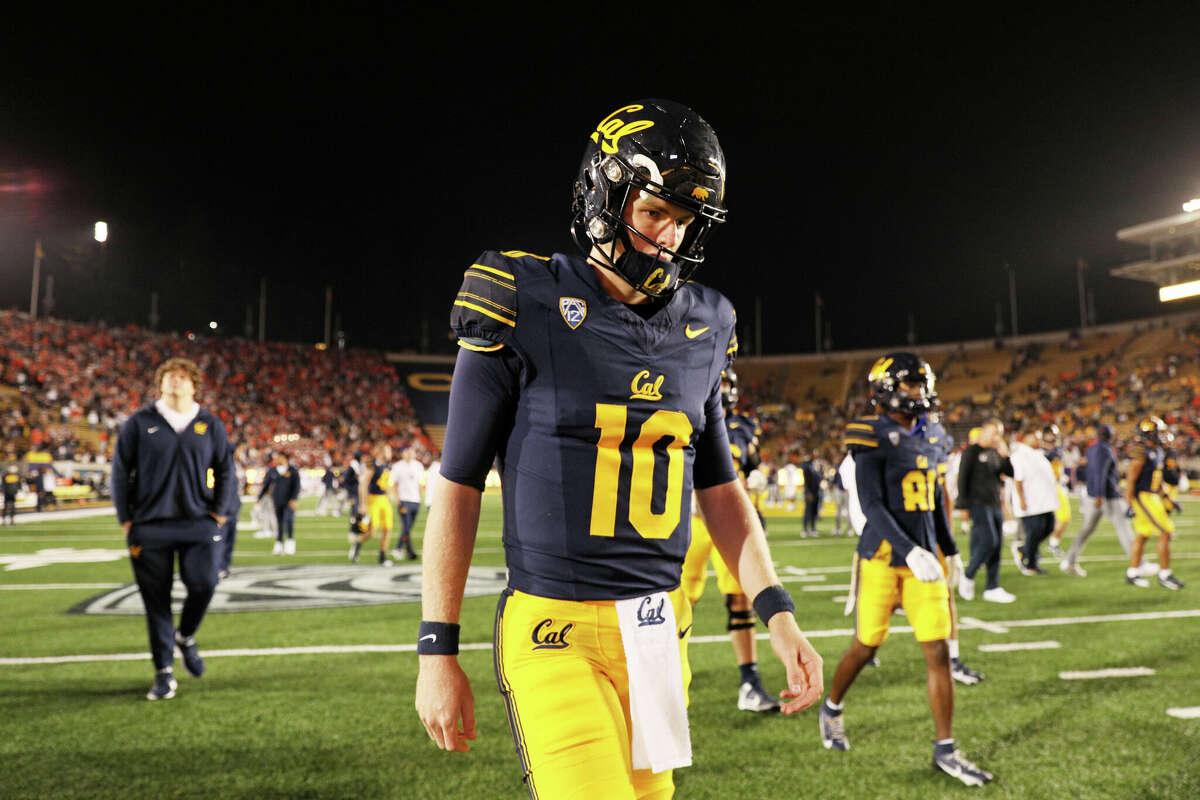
1150,430
890,372
729,390
661,148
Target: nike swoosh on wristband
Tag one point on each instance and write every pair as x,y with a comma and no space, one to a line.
430,636
692,334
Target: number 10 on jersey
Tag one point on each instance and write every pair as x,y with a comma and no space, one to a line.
662,424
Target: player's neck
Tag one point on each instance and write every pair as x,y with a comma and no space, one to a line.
178,404
616,286
906,420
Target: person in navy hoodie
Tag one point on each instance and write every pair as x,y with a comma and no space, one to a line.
173,485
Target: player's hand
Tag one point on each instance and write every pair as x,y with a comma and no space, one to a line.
220,520
1098,502
444,698
126,526
954,570
1129,512
292,504
805,675
924,565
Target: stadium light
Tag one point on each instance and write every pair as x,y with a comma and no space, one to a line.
101,232
1179,291
212,325
1192,205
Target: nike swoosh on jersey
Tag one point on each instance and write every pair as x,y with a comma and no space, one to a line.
430,636
684,632
692,334
153,429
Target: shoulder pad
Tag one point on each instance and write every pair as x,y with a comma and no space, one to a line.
485,310
861,435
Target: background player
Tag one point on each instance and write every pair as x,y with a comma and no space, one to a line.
602,400
743,443
375,499
1052,443
895,474
172,481
1144,493
282,483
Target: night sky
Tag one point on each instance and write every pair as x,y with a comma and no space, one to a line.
894,164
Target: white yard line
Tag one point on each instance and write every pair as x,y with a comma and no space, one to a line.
801,578
1114,672
1013,646
990,627
828,587
409,648
1184,713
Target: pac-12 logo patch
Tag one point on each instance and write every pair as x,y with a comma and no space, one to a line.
894,438
573,310
546,638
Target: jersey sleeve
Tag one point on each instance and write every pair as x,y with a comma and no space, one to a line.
860,437
483,398
713,465
484,313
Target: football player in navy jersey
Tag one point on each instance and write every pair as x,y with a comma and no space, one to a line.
896,481
595,382
743,445
1145,494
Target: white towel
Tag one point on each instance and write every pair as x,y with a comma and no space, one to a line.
657,707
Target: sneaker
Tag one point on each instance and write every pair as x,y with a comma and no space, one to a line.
289,547
1072,569
1038,571
1019,560
1169,581
223,574
277,550
966,588
999,595
833,730
753,697
1055,547
964,674
164,686
191,655
384,561
397,553
1137,580
411,555
955,764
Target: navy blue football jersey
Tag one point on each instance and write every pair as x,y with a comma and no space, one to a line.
1149,479
896,476
934,433
743,440
609,415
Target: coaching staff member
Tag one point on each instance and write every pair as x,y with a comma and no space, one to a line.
980,474
173,485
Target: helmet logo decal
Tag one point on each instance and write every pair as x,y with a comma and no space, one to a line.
612,128
658,281
573,311
700,193
880,369
643,389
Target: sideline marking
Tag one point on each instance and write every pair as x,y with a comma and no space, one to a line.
990,627
1114,672
723,638
1184,713
1010,646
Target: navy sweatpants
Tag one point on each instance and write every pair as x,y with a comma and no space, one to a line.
153,548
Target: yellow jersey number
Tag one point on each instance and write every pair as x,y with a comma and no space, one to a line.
917,487
611,419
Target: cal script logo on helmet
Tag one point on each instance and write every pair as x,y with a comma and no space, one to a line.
612,127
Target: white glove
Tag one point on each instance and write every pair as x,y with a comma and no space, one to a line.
954,570
924,565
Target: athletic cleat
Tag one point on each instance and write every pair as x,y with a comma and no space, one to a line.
289,547
955,764
191,655
753,697
277,550
1169,581
1072,569
964,674
164,687
1055,548
833,730
966,588
874,662
999,595
1138,581
411,555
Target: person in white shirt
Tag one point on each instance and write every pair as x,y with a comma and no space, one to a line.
406,492
790,477
1034,499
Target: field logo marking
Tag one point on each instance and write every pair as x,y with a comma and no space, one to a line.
60,555
284,588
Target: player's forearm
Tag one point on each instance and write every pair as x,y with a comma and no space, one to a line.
738,535
449,542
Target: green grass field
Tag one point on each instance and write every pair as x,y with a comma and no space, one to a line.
342,725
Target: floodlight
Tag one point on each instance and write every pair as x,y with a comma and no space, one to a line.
1179,291
101,232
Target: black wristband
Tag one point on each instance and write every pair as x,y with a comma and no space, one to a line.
771,600
437,639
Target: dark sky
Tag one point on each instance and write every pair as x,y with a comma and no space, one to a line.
893,163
